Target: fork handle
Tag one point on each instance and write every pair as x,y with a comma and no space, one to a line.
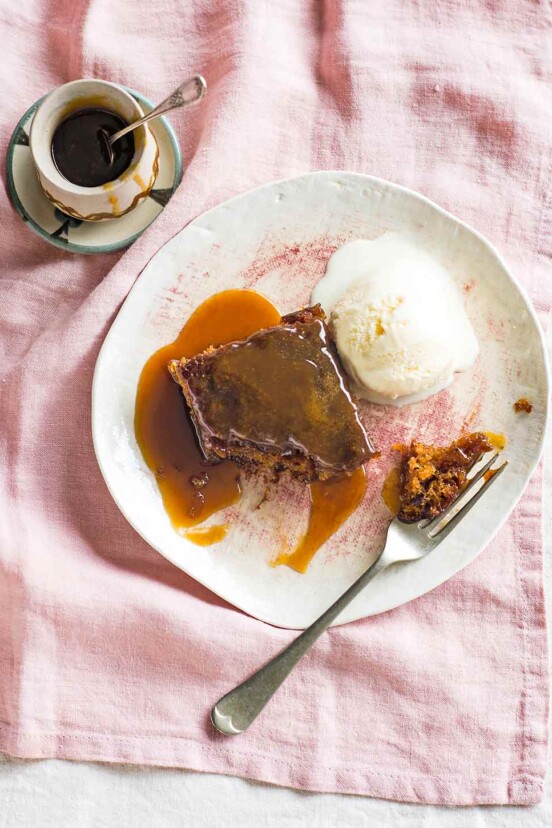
240,707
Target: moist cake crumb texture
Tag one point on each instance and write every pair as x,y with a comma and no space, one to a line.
431,477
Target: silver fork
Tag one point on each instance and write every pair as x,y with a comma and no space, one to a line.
405,542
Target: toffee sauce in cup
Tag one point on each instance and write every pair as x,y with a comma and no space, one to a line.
79,150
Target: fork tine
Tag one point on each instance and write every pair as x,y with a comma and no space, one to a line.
471,483
476,460
454,521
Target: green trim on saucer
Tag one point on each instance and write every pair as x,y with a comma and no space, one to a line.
56,239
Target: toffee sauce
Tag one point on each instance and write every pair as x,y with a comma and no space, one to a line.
191,488
79,150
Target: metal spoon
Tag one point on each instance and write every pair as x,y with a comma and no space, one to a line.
189,92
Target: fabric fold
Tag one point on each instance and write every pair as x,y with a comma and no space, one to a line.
107,651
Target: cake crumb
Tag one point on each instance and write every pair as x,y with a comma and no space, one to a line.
523,404
432,477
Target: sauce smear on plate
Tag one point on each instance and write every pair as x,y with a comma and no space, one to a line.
332,502
206,536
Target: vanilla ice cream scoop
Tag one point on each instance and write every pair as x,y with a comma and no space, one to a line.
397,318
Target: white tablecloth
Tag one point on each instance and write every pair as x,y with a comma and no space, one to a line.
54,794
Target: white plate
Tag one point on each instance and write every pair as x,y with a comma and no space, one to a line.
277,240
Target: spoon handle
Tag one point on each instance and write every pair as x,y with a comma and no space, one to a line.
189,92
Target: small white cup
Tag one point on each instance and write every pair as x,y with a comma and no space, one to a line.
110,200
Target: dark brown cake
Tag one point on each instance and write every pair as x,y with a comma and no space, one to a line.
433,476
278,400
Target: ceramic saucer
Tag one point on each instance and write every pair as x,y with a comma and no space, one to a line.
85,236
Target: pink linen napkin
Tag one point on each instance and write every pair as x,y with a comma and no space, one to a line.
107,651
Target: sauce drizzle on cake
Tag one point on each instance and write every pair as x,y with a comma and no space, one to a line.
276,401
193,487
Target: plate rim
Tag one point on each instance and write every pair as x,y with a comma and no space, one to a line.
343,618
71,247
